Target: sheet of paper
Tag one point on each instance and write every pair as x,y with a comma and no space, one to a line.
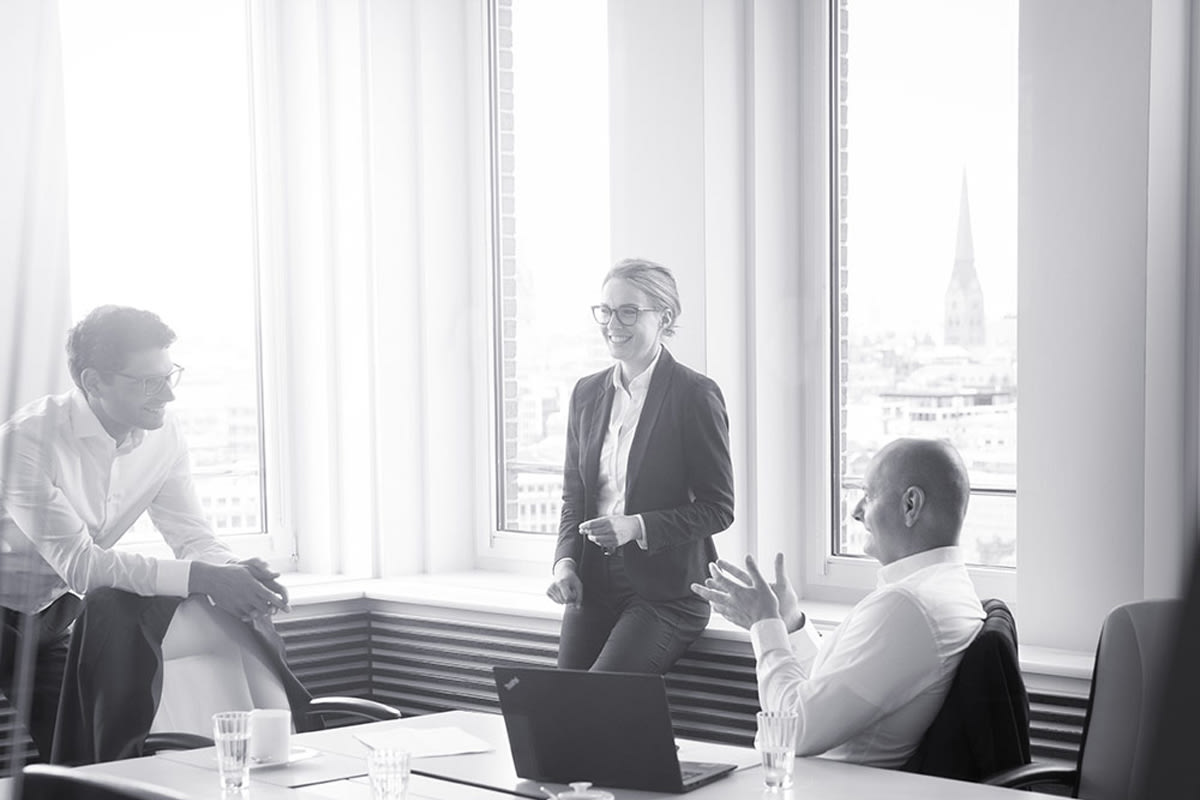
425,742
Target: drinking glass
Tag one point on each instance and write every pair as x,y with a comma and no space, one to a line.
776,742
231,734
387,769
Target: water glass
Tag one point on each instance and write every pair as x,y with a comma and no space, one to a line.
776,742
231,734
387,769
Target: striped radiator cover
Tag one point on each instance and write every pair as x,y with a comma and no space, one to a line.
422,665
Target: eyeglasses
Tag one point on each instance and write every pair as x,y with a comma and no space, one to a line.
153,384
626,315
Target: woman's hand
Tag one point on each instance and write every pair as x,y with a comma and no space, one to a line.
567,589
611,532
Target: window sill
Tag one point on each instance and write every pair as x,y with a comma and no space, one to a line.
521,598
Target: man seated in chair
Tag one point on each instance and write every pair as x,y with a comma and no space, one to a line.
868,691
76,471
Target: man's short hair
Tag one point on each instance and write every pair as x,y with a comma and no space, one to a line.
106,337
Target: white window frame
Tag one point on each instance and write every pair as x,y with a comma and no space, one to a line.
276,542
828,576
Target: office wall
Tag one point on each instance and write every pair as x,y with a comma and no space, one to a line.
1101,230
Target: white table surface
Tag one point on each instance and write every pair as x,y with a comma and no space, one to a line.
336,774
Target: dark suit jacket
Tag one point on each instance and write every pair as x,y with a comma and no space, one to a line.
679,478
983,726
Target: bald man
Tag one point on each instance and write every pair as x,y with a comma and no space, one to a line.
867,692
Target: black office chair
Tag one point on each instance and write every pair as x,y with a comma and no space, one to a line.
48,782
983,725
355,707
1135,644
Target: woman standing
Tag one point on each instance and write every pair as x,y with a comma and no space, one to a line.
647,482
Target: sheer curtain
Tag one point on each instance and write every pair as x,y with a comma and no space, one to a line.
369,131
34,296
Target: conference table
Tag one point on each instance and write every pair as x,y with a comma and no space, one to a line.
336,770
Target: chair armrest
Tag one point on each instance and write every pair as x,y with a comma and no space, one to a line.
174,740
354,707
1029,775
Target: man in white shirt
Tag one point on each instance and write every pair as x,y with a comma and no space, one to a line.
868,691
76,471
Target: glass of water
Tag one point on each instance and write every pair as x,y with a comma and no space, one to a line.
231,734
387,770
776,742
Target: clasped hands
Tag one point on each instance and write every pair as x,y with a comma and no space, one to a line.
246,589
745,597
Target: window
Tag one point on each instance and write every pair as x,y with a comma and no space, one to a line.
924,239
161,215
551,219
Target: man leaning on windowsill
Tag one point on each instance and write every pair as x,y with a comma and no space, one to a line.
868,692
76,471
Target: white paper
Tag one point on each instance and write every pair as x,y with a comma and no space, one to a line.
424,742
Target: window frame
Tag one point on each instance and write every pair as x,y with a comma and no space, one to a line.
275,541
829,575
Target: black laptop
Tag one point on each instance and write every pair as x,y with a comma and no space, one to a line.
610,728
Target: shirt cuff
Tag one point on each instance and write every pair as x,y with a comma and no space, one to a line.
172,578
641,537
554,569
769,634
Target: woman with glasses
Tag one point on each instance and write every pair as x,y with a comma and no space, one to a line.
647,483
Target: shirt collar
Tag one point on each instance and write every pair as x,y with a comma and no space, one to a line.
87,425
642,380
904,567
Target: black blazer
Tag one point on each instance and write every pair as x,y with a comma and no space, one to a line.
983,726
679,478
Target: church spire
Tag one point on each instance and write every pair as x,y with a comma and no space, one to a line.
964,321
964,251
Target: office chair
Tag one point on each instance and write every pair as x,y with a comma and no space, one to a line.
983,725
47,782
1131,657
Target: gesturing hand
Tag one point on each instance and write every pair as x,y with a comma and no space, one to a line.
743,604
611,532
789,603
267,577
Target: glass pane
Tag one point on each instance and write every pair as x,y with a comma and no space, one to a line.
160,214
926,175
551,195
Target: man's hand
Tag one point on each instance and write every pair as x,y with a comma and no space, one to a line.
234,588
789,603
611,532
567,588
267,577
743,604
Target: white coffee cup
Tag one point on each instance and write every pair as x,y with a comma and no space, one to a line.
270,735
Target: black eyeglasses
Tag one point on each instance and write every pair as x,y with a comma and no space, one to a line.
626,315
153,384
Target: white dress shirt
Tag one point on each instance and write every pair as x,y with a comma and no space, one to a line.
68,492
867,692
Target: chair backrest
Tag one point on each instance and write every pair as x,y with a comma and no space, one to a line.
983,725
47,782
1131,657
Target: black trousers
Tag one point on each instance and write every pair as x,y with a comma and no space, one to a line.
35,693
616,630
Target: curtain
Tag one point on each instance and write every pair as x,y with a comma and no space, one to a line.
34,289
